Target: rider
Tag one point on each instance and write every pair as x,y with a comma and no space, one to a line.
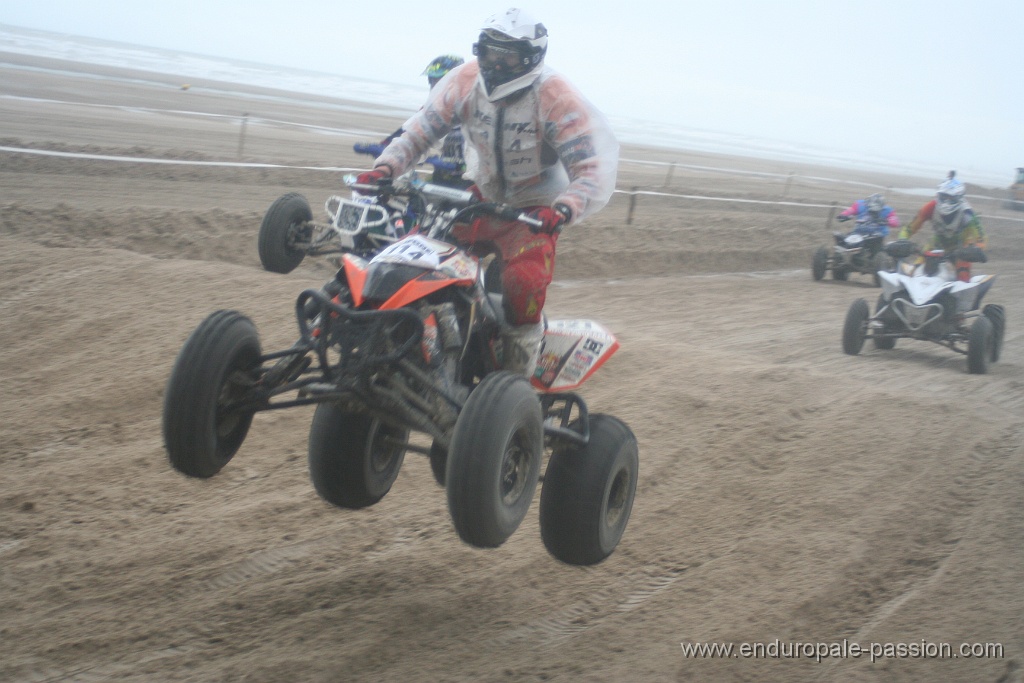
953,220
873,215
542,148
452,145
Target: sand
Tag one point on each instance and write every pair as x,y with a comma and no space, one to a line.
788,493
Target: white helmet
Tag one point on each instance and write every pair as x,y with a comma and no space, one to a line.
510,52
950,197
948,207
875,204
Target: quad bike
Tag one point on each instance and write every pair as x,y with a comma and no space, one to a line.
409,341
925,300
858,251
360,224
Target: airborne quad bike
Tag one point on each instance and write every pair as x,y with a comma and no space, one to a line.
361,224
925,300
409,341
859,251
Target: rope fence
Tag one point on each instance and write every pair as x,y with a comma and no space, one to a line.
633,193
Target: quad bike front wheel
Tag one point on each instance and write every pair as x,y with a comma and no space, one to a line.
494,459
882,342
819,263
588,493
281,225
997,314
855,327
353,458
980,345
215,369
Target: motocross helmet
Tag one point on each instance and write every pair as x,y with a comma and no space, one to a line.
948,205
510,52
441,65
874,205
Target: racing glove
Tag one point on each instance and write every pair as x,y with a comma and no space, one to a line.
552,218
842,219
373,177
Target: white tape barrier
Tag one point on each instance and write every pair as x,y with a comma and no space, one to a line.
337,169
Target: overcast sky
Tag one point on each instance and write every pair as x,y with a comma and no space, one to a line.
921,81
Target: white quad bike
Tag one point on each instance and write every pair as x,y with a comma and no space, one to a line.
410,341
359,224
858,251
923,299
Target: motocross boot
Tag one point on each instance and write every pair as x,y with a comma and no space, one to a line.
520,348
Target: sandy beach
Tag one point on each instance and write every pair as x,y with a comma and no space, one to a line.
788,493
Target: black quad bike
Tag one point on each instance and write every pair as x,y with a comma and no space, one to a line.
410,341
858,251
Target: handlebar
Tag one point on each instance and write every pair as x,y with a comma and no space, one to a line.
464,201
904,248
375,149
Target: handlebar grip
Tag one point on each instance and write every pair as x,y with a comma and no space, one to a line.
371,148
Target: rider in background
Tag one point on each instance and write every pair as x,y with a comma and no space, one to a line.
452,146
873,216
953,220
541,146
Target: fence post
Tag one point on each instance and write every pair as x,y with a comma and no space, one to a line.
241,135
789,180
831,215
668,178
632,205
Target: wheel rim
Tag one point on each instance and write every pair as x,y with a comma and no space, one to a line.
618,495
514,469
230,392
383,448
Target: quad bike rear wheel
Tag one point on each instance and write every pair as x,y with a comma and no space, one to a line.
353,458
215,368
494,459
997,314
281,224
819,263
980,345
855,327
588,493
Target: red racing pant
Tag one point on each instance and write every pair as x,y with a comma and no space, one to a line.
528,262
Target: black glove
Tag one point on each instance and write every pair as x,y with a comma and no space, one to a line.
842,219
971,254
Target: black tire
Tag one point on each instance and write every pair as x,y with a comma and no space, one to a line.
883,343
883,263
438,462
819,263
353,458
494,459
855,327
997,314
979,345
213,368
588,493
839,272
282,219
